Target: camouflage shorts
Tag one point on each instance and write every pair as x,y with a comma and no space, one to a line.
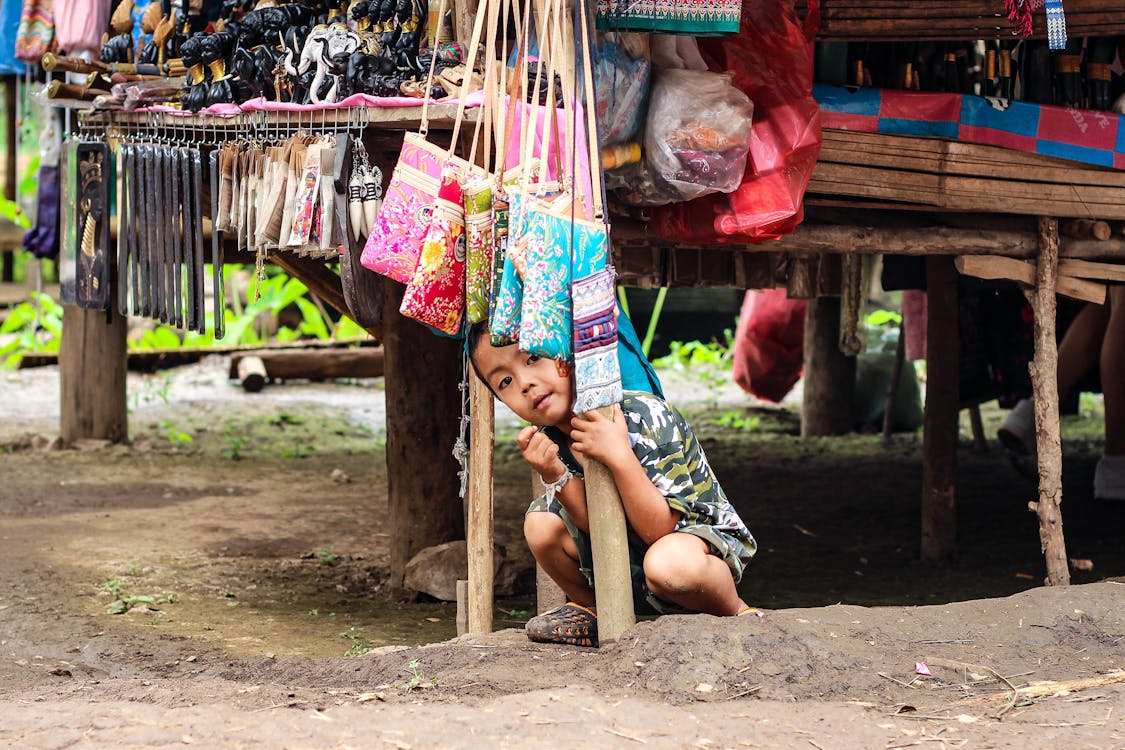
722,545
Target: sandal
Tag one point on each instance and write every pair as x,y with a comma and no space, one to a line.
571,625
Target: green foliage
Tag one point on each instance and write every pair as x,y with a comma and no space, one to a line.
11,211
880,331
33,326
418,677
709,361
175,435
233,444
36,325
123,602
327,555
360,644
738,421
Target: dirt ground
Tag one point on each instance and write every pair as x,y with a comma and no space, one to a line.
259,575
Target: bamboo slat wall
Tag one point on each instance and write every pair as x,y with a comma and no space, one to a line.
922,20
963,177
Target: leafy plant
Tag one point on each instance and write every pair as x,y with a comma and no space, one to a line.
710,361
360,645
175,435
327,555
418,678
233,444
738,421
123,602
298,450
33,326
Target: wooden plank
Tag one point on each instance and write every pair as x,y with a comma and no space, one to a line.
315,364
939,440
479,505
1085,269
1080,289
92,376
1044,381
1023,272
996,267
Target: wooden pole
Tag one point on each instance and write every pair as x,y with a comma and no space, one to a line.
892,387
1044,380
851,303
939,441
423,401
829,379
613,588
92,376
479,526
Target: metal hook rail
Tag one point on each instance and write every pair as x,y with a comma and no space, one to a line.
208,129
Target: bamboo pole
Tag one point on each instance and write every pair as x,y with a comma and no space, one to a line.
613,588
1044,380
479,500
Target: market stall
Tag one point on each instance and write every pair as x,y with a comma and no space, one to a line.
274,134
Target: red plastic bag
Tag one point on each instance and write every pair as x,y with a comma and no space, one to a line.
772,63
769,343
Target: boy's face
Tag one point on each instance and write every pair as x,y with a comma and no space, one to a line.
529,385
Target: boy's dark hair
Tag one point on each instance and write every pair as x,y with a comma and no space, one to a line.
478,333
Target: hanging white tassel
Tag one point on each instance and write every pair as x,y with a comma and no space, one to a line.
356,220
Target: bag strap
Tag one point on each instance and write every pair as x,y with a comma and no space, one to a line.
474,43
424,126
596,188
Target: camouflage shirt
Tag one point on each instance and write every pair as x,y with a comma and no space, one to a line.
671,455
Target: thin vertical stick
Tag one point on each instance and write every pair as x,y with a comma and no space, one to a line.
892,387
479,530
1044,380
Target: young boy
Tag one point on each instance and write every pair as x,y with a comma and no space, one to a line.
687,545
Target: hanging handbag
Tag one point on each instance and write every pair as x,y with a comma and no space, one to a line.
436,293
393,247
597,370
36,30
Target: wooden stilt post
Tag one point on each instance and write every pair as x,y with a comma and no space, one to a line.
422,374
939,441
826,407
92,376
479,527
613,587
1044,381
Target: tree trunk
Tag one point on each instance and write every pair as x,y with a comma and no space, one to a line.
423,372
829,375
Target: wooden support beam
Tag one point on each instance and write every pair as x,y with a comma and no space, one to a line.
1023,272
838,238
614,589
1044,381
92,376
422,375
479,505
939,441
826,408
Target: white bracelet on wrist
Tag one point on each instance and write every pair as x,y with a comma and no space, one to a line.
552,487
